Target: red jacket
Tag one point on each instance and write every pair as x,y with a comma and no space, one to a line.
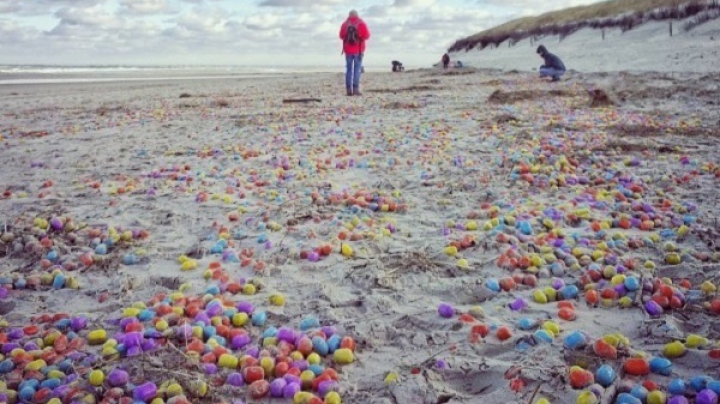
354,49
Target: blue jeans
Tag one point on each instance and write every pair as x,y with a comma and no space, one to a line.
551,72
353,67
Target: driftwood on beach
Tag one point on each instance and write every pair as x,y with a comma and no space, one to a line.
300,100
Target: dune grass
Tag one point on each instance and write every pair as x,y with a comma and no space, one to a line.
623,14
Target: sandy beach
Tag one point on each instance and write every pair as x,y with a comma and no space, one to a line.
437,221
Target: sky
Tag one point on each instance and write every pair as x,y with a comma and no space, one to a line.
243,32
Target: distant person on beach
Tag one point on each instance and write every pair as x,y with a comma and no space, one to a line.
446,61
353,32
553,66
397,66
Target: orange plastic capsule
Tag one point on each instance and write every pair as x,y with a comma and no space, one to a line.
592,296
503,333
567,314
637,367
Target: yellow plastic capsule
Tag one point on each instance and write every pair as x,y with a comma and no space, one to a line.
96,377
625,302
391,377
249,289
277,299
672,258
695,341
587,397
174,389
346,250
551,327
189,265
161,325
35,365
198,388
302,397
306,377
270,341
540,296
333,397
55,374
228,361
551,293
343,356
268,365
97,337
674,349
477,312
708,288
656,397
314,359
131,312
240,319
451,250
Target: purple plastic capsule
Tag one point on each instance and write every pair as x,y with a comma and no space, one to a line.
286,334
253,351
326,387
148,345
127,321
240,341
235,379
290,390
445,310
202,317
118,378
706,396
78,323
329,330
134,351
133,339
9,346
16,333
184,332
145,392
245,307
59,391
653,308
276,387
210,368
518,304
30,346
678,400
56,223
214,310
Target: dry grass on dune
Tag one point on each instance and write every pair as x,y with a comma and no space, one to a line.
624,14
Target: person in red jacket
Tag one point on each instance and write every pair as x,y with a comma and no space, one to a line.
353,32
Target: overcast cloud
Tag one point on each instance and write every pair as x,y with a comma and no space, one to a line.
242,32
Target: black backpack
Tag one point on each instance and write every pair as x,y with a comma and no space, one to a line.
353,35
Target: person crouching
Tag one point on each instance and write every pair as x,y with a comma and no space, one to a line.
553,67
